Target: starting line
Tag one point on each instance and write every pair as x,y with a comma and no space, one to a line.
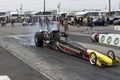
4,77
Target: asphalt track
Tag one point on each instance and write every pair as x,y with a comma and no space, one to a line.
67,67
74,68
87,39
57,65
15,69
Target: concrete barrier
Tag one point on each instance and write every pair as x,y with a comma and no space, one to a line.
111,39
117,28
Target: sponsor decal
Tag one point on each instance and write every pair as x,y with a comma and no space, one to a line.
102,38
116,41
65,46
109,39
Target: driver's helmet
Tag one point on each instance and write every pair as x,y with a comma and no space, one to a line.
95,36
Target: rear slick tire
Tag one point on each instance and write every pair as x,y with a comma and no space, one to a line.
38,39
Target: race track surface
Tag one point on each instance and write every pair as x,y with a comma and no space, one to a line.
61,66
53,64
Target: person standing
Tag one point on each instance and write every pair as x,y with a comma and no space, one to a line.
78,22
103,20
108,21
47,20
65,24
40,21
81,21
58,23
12,22
75,20
90,23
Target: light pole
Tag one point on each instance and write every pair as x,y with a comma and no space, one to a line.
21,9
119,5
109,7
44,5
59,4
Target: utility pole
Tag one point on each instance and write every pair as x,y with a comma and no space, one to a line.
44,6
21,8
119,5
59,7
109,7
17,11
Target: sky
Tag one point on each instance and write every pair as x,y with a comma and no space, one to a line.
66,5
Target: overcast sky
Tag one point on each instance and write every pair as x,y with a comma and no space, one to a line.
37,5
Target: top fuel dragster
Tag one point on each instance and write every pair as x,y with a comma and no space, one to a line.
59,41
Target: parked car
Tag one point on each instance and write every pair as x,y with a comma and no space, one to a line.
116,22
98,22
112,20
24,23
70,22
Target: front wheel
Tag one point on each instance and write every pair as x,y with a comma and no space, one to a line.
38,39
93,58
111,54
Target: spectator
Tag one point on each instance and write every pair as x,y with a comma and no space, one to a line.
75,21
47,21
103,20
2,23
81,21
108,20
12,22
78,22
89,23
58,24
62,20
40,21
65,24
